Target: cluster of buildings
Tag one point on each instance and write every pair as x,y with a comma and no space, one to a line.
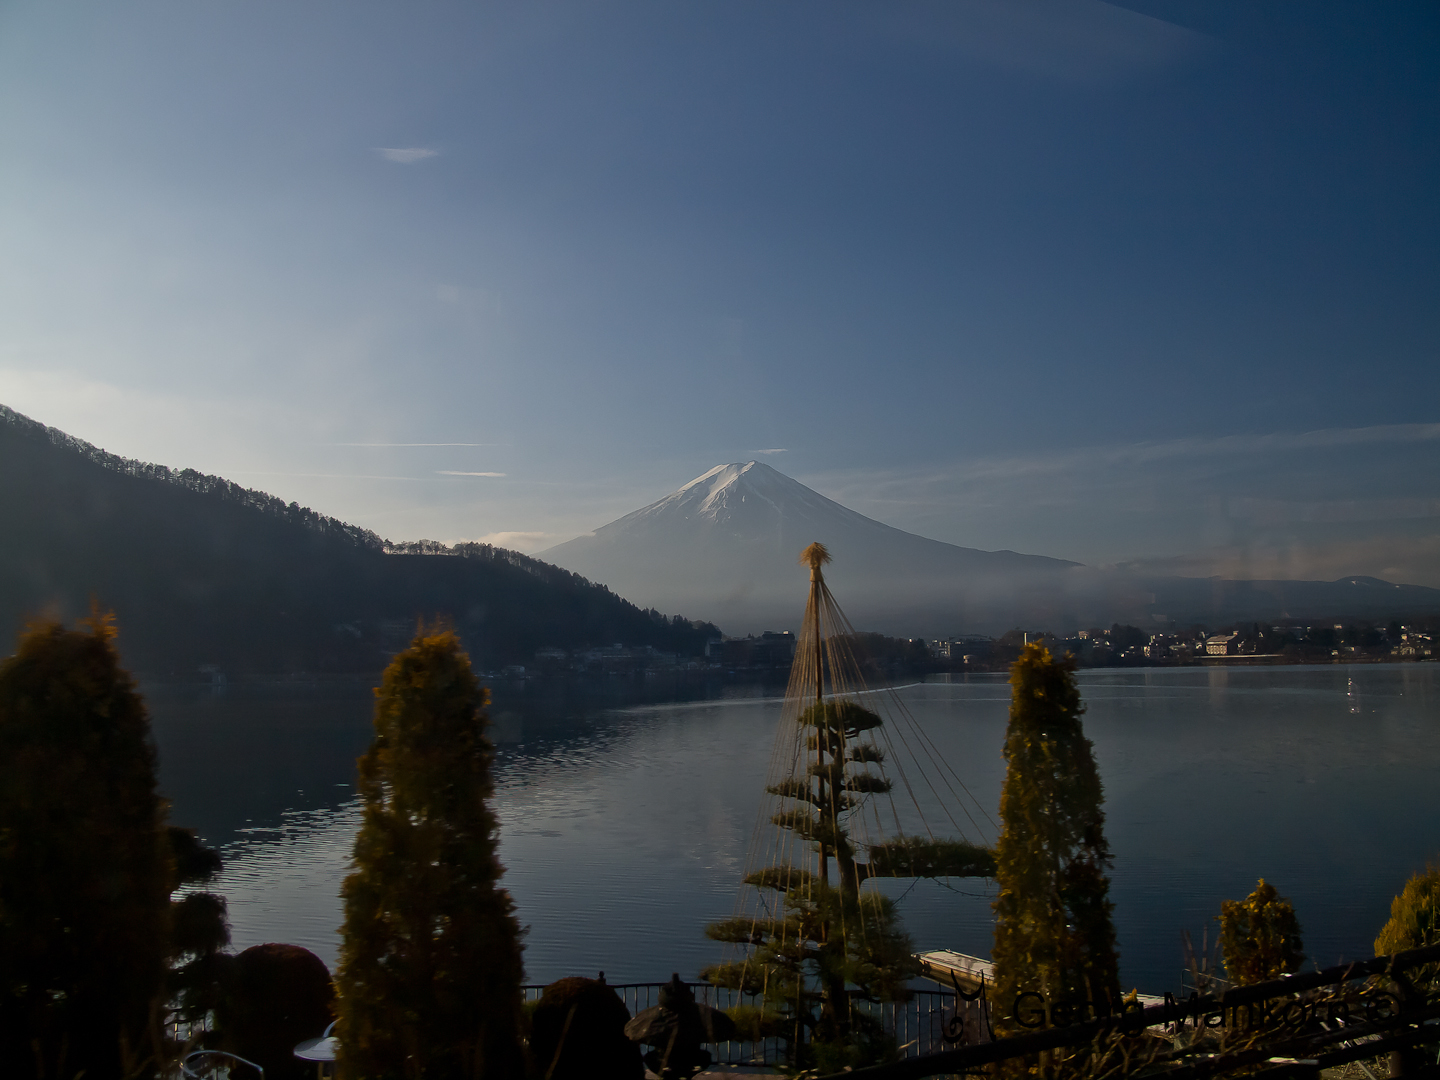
773,652
1415,644
1130,645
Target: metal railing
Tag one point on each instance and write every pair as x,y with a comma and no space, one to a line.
206,1065
919,1025
1291,1027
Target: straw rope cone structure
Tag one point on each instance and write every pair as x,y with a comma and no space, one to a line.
807,935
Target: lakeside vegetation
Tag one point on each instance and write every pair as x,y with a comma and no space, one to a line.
82,988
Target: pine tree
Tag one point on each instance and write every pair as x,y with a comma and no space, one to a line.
824,935
430,967
827,933
1260,937
1053,932
816,940
85,862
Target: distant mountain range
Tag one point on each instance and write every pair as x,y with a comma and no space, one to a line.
726,545
200,571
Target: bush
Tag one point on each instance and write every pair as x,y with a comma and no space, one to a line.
274,997
577,1032
1414,921
1260,937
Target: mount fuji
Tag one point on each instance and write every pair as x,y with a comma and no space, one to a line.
725,546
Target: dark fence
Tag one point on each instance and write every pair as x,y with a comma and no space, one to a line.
919,1025
1388,1006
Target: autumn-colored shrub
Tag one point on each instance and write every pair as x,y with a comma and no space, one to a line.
1260,937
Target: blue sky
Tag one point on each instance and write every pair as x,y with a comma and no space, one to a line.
1158,282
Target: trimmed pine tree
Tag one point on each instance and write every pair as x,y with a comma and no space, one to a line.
1053,932
815,942
827,935
430,967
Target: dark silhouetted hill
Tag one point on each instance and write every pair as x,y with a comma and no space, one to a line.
201,571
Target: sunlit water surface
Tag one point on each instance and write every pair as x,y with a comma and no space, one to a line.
624,831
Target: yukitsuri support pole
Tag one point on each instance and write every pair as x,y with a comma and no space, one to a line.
816,556
835,1004
818,936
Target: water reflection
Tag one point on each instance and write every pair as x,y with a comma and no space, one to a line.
624,829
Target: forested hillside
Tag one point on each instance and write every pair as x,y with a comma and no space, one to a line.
201,571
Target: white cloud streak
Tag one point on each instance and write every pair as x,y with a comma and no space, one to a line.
1092,457
406,155
1325,503
457,472
393,444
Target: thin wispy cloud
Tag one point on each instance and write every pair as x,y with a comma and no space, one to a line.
1295,504
774,450
405,155
1270,512
457,472
322,476
1090,457
408,444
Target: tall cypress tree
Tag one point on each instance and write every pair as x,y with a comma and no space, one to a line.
430,968
1053,934
85,862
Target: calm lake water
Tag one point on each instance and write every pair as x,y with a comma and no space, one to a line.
625,829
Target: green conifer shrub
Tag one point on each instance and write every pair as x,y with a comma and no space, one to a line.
1260,937
85,863
1053,931
430,966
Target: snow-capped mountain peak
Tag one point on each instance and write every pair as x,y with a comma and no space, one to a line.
728,542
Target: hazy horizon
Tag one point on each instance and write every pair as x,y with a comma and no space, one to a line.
1144,284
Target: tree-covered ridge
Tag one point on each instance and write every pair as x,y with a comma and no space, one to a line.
549,573
201,572
192,480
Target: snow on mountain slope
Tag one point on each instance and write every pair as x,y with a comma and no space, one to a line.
725,547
